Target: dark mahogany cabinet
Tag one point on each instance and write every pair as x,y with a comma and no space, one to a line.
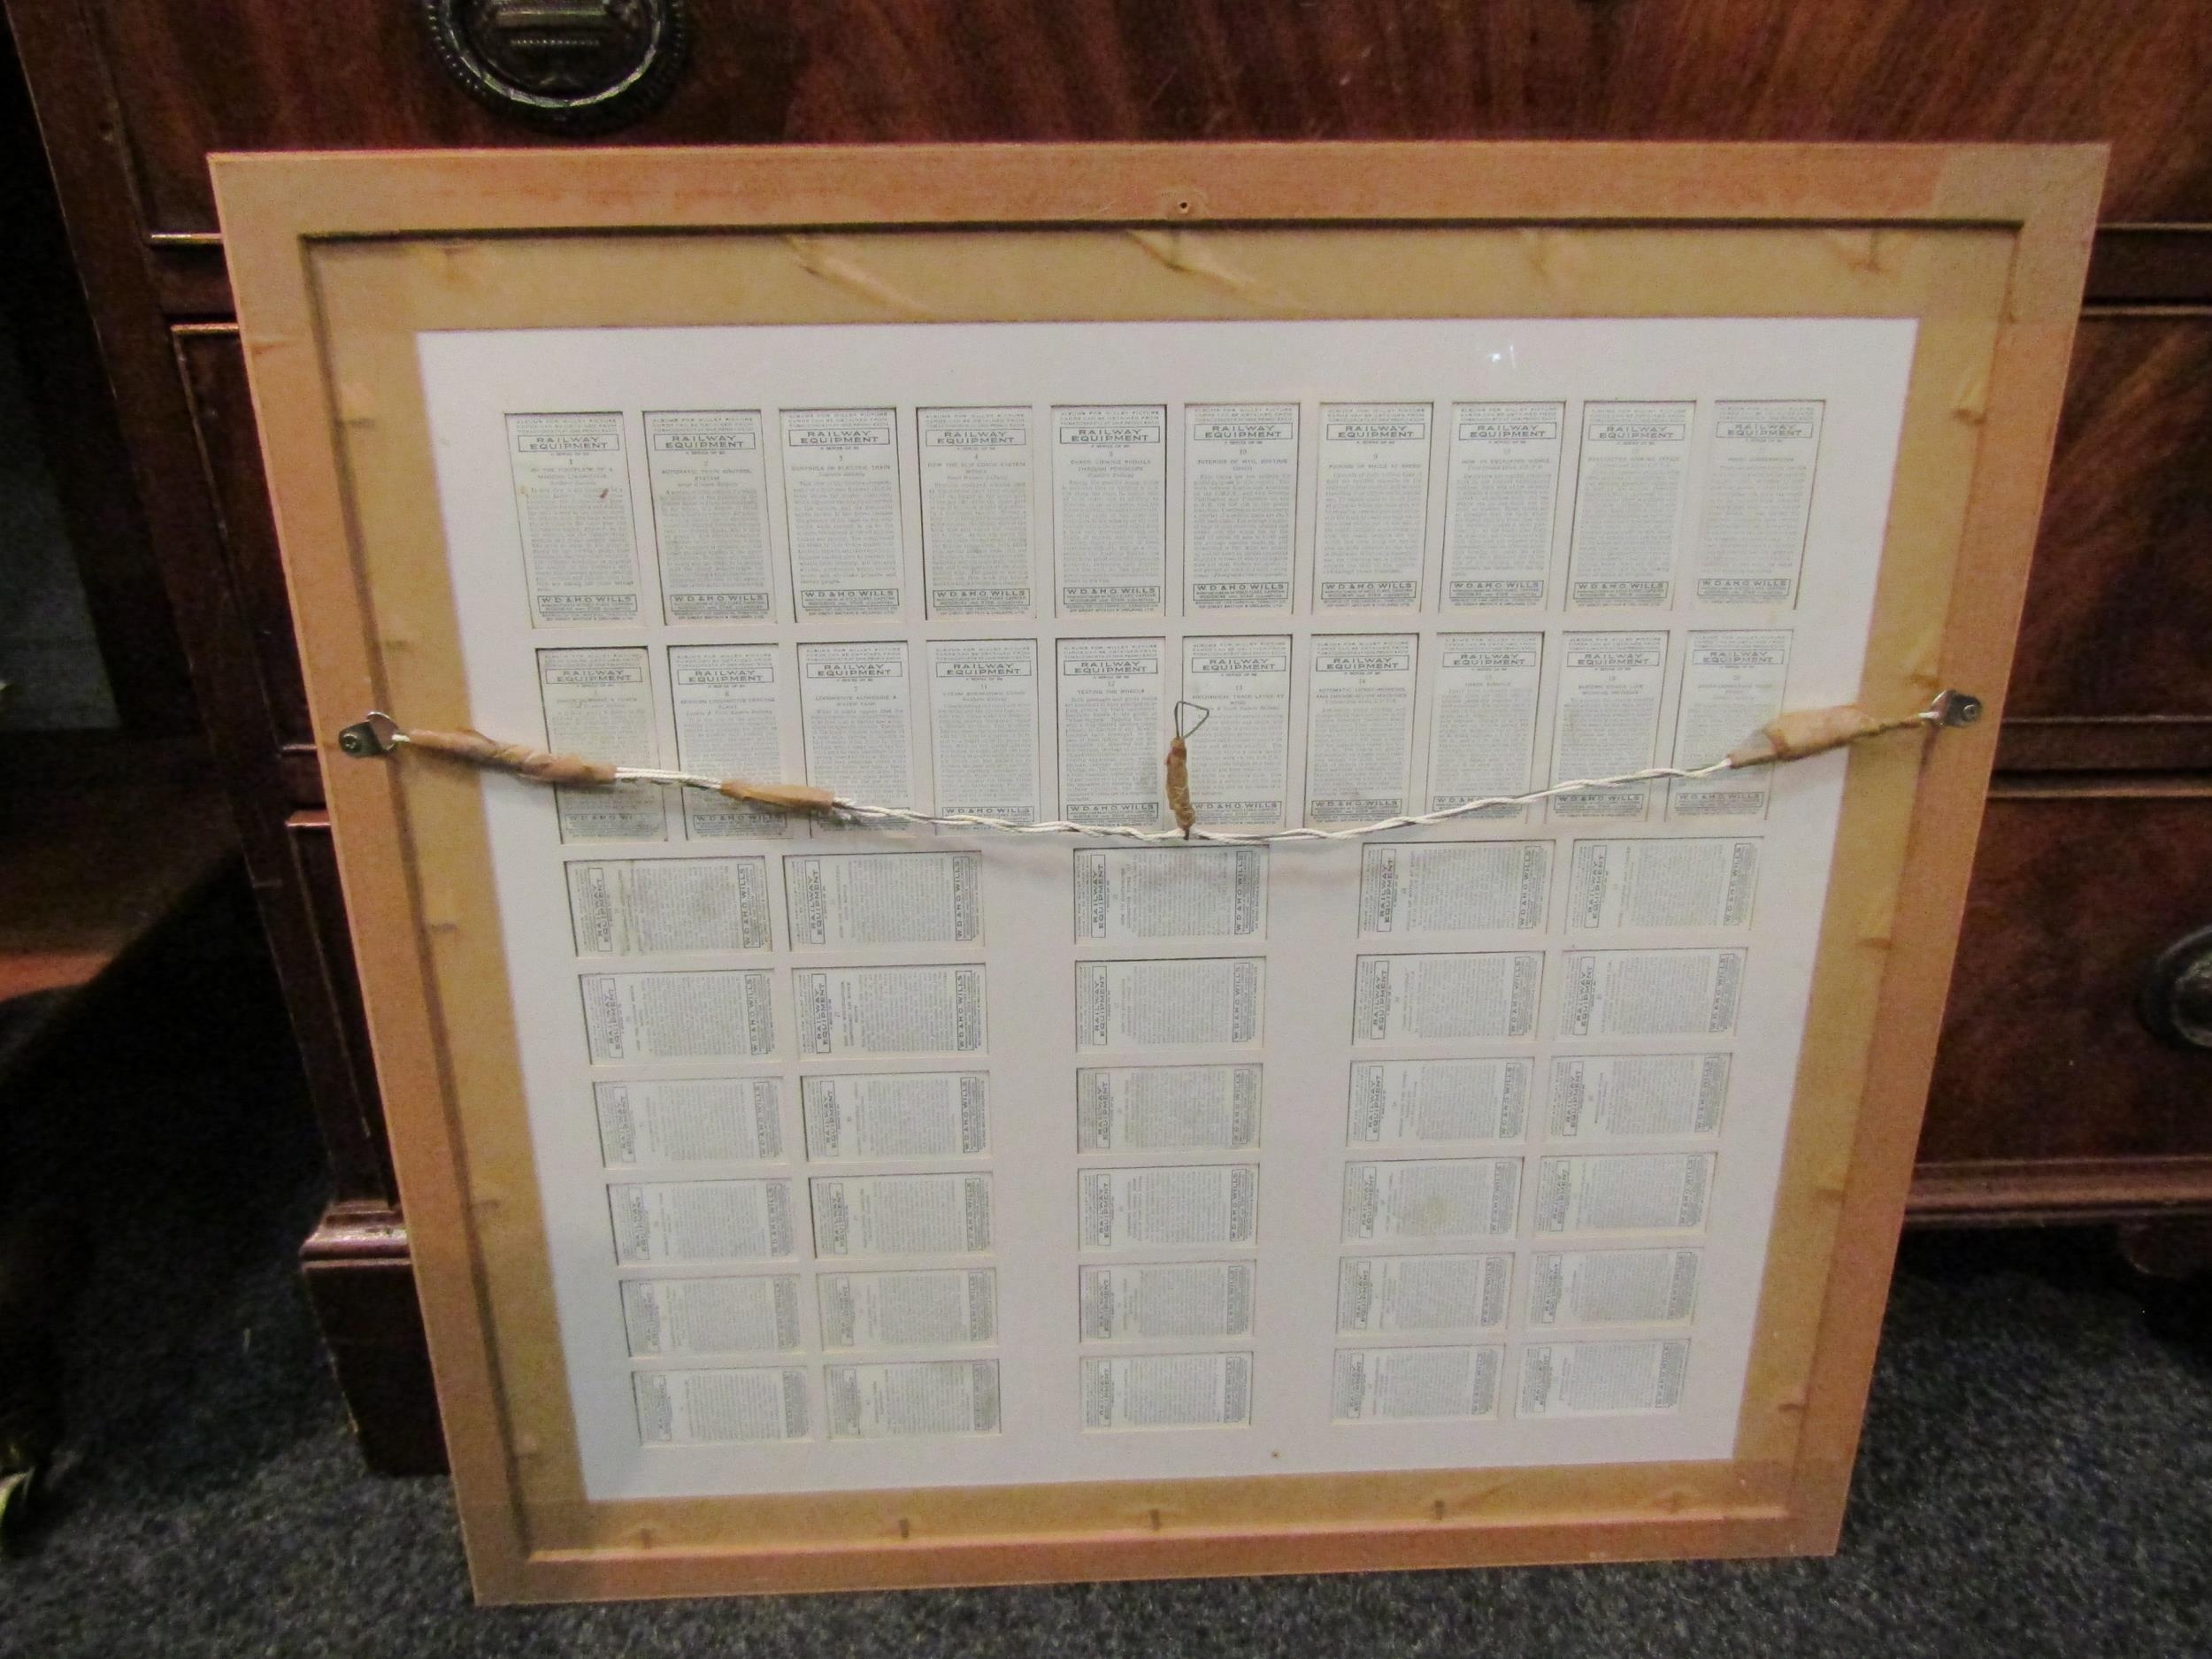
2055,1097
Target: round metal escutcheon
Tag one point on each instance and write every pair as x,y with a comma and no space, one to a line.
563,65
2176,997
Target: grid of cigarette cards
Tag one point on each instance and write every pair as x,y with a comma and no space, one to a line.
884,1160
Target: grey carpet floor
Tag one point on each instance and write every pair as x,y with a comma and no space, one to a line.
2036,1476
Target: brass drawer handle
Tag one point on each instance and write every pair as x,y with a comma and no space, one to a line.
563,65
2177,998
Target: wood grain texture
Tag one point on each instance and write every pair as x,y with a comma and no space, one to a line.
2130,265
2152,264
341,1073
249,74
2038,1191
2119,601
167,479
101,837
2146,743
2043,1056
358,1280
47,327
214,371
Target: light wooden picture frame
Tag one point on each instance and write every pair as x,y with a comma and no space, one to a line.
338,260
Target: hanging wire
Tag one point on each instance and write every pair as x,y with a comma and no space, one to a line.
386,733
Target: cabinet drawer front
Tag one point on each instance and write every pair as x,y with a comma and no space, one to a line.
324,991
2044,1054
194,75
214,369
2111,669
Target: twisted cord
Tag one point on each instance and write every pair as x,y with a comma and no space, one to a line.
1777,750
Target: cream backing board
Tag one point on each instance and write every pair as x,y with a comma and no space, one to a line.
1856,369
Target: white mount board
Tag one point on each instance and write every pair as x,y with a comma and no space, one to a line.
1028,953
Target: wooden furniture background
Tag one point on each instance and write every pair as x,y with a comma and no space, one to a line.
106,841
107,835
2052,1099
